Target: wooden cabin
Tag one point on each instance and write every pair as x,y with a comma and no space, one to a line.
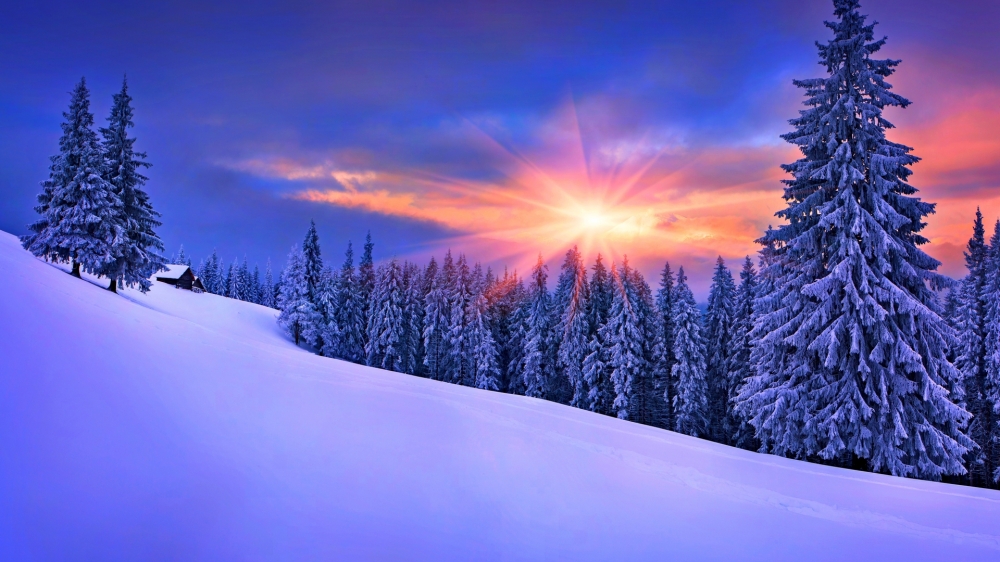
180,276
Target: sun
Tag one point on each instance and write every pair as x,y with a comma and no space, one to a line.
594,219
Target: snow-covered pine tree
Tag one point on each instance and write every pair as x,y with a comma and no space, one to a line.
385,321
572,330
209,273
297,312
350,313
971,352
413,319
507,299
135,255
482,347
327,331
719,320
181,258
596,370
991,386
690,373
664,361
255,286
852,354
740,367
80,212
229,280
647,405
437,318
459,297
366,281
242,290
267,288
313,257
623,337
538,367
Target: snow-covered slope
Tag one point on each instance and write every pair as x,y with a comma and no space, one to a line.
176,426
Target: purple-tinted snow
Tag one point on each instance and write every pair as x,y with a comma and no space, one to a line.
182,426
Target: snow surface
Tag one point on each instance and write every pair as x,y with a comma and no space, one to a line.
183,426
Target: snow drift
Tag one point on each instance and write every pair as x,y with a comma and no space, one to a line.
182,426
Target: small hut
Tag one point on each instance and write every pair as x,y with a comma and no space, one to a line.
180,276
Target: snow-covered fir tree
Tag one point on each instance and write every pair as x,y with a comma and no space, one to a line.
313,256
646,405
180,257
297,312
437,317
971,352
385,319
991,334
690,372
482,347
663,362
740,367
537,362
366,280
413,319
135,255
852,354
267,287
507,298
210,273
255,285
460,294
719,326
227,281
350,313
596,370
623,337
79,210
572,331
326,331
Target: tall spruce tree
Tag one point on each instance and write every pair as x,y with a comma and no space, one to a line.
135,255
852,355
437,318
413,319
991,333
484,358
79,211
740,367
350,314
596,369
312,255
326,332
267,288
385,342
538,364
459,294
297,312
572,332
719,325
664,361
691,402
623,336
971,352
366,280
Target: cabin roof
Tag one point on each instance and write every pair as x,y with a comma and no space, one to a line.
173,271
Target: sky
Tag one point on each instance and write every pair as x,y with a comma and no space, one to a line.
502,130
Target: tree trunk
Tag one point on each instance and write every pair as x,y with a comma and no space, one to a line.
113,287
76,269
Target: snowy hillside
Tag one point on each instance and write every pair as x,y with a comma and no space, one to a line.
181,426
